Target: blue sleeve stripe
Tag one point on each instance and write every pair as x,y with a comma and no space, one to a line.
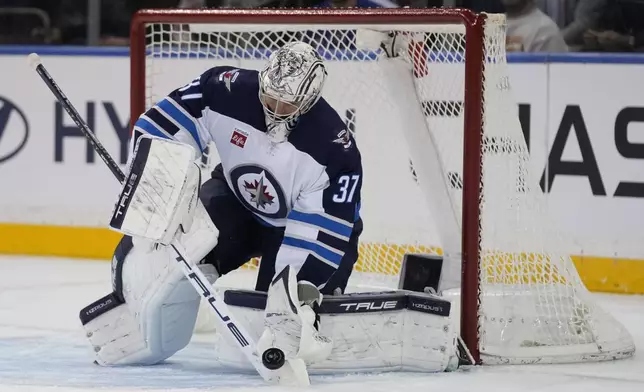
313,247
321,221
181,118
331,242
149,128
161,121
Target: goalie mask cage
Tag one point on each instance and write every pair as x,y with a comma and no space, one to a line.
446,166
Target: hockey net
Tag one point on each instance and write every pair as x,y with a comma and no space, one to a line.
413,116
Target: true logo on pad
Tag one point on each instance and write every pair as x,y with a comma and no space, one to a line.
239,138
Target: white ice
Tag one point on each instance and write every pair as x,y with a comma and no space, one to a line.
42,348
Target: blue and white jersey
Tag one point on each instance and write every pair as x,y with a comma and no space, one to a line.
310,184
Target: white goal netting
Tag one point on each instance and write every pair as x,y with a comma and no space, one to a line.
407,115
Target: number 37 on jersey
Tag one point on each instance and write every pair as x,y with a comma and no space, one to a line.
347,186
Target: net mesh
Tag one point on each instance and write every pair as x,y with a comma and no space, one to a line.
533,306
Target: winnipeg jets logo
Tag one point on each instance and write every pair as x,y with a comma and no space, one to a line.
344,138
229,77
258,192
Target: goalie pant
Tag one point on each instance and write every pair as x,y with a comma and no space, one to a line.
152,311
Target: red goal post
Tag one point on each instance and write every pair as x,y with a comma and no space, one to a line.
557,286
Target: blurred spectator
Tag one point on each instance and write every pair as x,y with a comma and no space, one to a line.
586,15
560,11
71,17
192,3
491,6
357,3
530,30
228,3
378,3
27,21
621,28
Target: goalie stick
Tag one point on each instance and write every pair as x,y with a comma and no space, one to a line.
269,370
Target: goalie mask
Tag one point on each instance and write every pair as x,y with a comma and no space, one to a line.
289,85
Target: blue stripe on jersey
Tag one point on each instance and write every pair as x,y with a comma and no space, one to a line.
162,121
313,247
321,221
356,216
181,118
332,241
149,128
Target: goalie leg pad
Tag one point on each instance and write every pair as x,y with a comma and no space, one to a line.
154,315
390,331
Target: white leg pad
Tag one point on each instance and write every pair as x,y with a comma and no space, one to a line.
116,338
161,306
156,321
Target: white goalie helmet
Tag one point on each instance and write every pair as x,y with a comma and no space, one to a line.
291,82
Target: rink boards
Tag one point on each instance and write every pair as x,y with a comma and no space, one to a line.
583,112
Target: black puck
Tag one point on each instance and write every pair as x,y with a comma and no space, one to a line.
273,358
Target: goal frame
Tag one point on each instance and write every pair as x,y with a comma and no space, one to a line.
472,104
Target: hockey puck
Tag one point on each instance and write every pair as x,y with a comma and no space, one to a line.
273,358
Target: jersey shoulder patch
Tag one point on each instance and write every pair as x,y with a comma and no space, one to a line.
344,139
232,79
234,92
323,135
228,78
336,135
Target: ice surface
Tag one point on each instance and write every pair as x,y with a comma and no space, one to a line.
42,348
